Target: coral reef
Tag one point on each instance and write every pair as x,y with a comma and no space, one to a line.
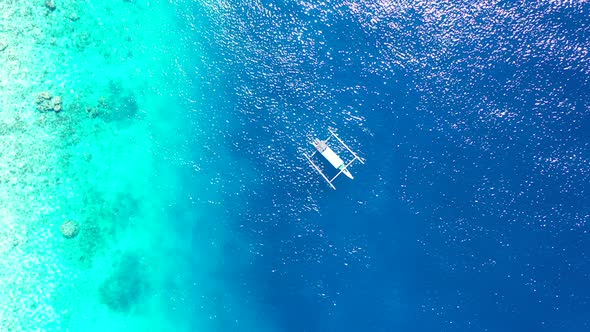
53,58
46,102
50,5
70,229
126,286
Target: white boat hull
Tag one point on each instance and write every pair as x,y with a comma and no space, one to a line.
323,148
332,157
347,173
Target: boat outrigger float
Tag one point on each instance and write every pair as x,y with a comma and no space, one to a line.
323,148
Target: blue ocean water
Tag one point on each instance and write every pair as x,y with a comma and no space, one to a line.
472,211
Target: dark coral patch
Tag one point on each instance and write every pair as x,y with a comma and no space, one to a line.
126,286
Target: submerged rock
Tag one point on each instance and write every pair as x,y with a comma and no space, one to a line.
42,96
56,103
74,17
46,102
3,46
70,229
50,5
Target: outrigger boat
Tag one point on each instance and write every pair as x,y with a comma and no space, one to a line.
323,148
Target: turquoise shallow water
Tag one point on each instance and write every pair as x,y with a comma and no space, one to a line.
126,159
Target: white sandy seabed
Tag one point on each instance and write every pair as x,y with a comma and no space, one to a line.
90,163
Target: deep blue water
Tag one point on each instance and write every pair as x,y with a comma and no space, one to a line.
471,213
